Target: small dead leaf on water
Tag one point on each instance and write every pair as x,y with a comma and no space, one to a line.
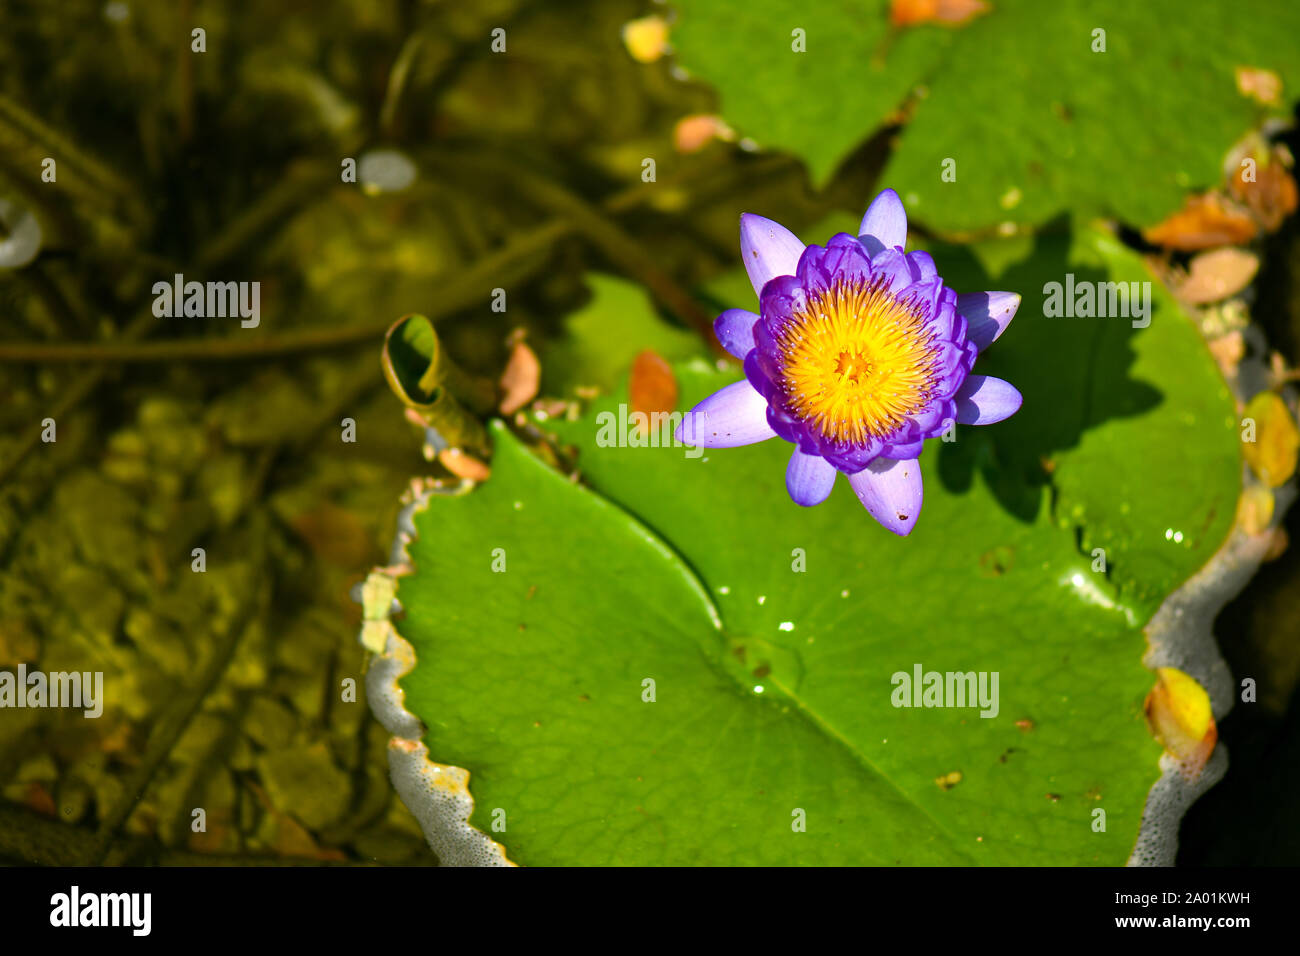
693,133
464,465
1272,455
1215,275
646,39
1204,222
1255,509
520,380
1269,191
1178,710
652,389
952,13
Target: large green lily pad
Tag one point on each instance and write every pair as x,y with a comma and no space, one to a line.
540,608
1033,119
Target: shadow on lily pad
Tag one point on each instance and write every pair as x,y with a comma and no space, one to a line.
1073,370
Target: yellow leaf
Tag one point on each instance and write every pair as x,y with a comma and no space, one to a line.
646,39
1272,455
1178,709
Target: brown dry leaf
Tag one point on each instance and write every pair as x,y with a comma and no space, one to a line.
652,388
1215,275
1272,196
953,13
1204,222
520,380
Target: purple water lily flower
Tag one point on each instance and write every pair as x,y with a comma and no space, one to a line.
858,354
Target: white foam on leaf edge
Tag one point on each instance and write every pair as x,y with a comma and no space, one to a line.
436,794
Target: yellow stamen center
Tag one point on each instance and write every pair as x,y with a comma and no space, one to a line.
857,362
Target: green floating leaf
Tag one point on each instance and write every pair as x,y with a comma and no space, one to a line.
818,103
678,665
1016,103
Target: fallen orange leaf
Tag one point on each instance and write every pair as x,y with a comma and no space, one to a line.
652,388
520,380
464,465
1204,222
692,133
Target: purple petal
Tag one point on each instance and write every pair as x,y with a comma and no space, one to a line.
730,417
930,420
949,359
922,265
987,314
893,265
891,492
768,248
903,448
927,293
809,479
845,259
885,223
759,371
811,272
946,321
782,299
735,330
983,400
